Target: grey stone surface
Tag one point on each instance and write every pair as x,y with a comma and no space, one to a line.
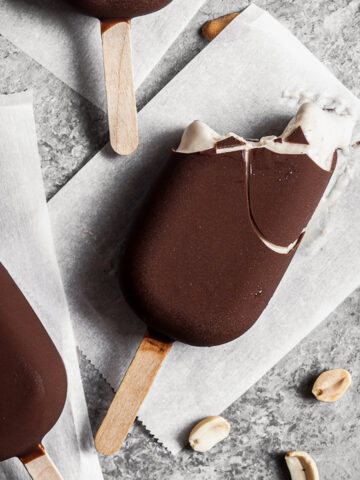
70,129
278,413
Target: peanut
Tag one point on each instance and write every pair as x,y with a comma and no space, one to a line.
212,28
301,466
208,433
331,385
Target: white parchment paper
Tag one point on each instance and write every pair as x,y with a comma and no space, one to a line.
27,251
68,43
248,80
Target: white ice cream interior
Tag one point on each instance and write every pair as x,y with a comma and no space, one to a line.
325,131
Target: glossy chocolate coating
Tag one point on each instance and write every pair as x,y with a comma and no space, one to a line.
32,375
282,196
194,268
229,142
297,136
119,9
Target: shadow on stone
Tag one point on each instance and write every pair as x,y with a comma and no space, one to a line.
305,387
281,468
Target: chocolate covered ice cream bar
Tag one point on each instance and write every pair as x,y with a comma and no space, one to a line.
33,381
223,222
214,239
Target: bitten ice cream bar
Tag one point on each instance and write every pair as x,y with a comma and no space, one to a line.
219,229
214,239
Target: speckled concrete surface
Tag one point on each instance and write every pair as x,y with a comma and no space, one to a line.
70,129
278,413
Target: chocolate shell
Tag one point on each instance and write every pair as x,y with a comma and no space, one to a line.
229,142
219,229
119,9
297,136
32,375
284,191
194,268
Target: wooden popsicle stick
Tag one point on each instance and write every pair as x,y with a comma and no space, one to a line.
120,89
131,393
40,466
